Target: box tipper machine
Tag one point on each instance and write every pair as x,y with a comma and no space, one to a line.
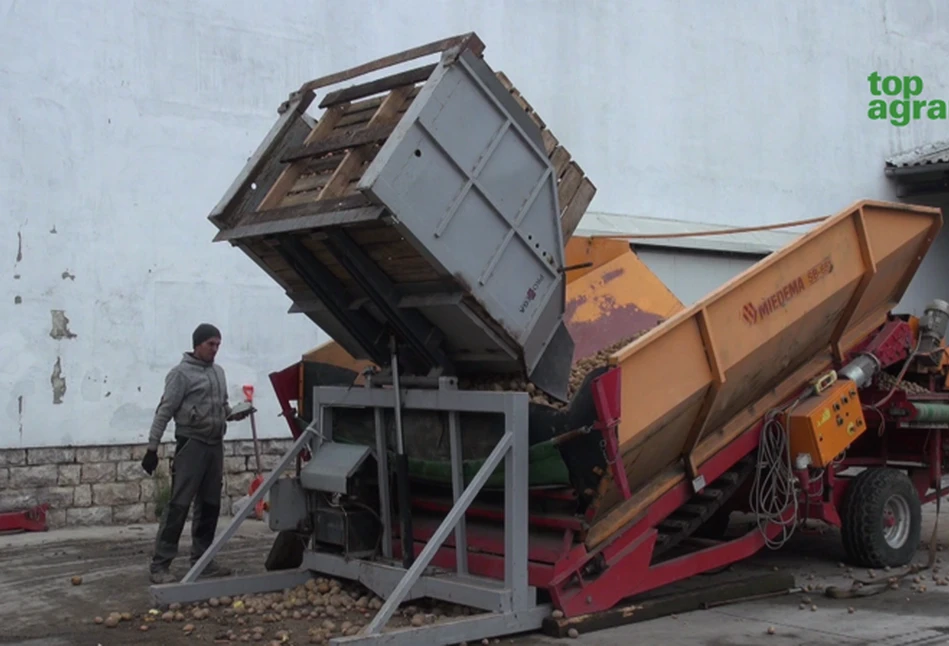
424,221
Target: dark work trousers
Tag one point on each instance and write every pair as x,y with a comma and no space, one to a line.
197,473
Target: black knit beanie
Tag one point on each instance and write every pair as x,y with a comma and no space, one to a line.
204,332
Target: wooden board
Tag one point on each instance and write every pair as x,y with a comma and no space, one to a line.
575,191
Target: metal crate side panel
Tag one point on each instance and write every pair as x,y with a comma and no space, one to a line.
468,183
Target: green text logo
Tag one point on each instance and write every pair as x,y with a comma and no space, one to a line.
906,107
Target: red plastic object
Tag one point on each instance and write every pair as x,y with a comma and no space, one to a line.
26,520
286,385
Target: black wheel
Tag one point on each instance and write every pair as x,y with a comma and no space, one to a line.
881,519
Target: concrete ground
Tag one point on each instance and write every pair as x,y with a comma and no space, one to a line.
39,604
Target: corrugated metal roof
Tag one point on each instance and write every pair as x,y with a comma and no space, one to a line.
932,153
754,242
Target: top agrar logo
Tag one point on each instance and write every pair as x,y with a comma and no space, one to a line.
901,111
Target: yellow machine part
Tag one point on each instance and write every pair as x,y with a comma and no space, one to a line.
615,298
826,424
695,383
333,354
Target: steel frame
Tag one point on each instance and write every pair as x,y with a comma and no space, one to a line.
512,603
503,581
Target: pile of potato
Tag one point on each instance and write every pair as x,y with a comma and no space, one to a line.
578,373
886,380
326,607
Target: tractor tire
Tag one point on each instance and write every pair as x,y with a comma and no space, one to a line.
881,519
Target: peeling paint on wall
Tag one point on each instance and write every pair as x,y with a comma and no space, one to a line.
66,275
20,416
58,382
17,300
19,246
60,328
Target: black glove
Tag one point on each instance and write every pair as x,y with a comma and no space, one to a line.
150,461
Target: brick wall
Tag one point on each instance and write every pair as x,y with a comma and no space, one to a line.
107,486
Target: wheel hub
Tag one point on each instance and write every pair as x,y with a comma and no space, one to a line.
896,521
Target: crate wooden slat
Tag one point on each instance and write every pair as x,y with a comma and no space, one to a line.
576,191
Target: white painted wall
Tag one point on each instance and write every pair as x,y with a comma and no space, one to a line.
124,122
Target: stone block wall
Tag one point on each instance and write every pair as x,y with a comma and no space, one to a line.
107,486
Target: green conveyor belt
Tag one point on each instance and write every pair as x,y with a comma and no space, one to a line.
932,412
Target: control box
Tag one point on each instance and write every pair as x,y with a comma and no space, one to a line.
826,424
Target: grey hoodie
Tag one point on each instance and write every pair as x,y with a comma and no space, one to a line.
196,398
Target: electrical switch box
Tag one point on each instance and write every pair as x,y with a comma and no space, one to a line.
824,425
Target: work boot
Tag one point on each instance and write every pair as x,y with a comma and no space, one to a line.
161,576
215,569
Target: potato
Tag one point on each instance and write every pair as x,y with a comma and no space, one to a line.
578,373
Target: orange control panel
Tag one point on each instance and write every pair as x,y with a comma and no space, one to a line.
826,424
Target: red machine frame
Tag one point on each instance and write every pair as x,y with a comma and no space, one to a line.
580,581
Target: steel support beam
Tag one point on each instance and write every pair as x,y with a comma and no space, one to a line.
423,337
160,593
513,600
228,586
455,631
327,287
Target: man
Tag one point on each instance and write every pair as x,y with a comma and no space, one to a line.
195,397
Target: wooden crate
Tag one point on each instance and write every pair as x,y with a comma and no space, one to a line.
302,181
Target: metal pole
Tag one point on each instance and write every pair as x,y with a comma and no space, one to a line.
402,466
447,525
457,488
382,465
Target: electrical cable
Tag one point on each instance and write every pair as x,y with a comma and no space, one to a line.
774,488
902,373
710,232
875,406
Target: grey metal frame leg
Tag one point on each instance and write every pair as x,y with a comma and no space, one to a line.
179,591
512,602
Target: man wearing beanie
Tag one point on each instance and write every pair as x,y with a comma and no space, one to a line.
195,397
